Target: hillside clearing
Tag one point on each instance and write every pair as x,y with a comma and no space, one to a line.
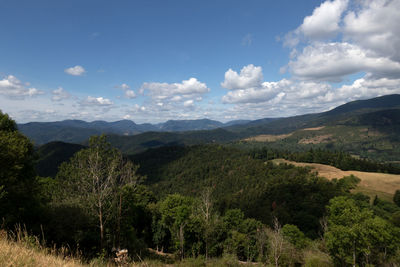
381,184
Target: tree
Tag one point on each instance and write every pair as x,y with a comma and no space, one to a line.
396,198
355,235
276,241
294,236
176,211
93,179
19,187
206,215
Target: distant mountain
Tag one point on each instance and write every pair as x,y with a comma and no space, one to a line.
379,116
189,125
290,124
132,138
77,131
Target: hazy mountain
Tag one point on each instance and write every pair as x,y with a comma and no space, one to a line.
190,125
197,131
368,128
77,131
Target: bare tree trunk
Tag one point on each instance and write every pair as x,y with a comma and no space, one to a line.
101,226
181,239
277,241
119,221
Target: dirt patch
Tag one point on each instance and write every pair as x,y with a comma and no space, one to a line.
267,138
317,139
372,181
313,129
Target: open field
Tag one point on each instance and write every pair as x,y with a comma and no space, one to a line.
382,184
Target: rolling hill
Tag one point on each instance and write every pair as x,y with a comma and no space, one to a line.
366,128
77,131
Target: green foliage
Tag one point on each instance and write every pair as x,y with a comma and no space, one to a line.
238,181
93,179
355,235
18,184
396,198
338,159
52,155
294,236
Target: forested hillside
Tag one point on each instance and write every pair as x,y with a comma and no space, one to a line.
203,203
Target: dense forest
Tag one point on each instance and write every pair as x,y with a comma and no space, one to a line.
197,204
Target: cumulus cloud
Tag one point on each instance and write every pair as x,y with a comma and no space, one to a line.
324,21
369,41
13,88
128,93
188,103
367,87
60,94
261,93
96,101
375,26
75,71
250,76
169,93
332,61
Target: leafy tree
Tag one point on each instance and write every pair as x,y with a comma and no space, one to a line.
355,235
294,236
93,179
176,211
396,198
19,187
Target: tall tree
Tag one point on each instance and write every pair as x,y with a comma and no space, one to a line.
176,211
18,184
93,179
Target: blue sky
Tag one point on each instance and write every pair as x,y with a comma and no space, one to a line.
150,61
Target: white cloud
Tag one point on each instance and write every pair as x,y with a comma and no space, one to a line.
60,94
367,87
174,92
188,103
250,76
375,26
333,61
324,21
124,86
370,41
13,88
266,91
130,94
75,71
97,101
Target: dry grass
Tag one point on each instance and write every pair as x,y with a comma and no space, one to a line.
382,184
15,254
313,129
267,137
23,250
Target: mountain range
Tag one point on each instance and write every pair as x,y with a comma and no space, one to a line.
367,128
78,131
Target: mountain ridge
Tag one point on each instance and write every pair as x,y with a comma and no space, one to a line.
78,131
